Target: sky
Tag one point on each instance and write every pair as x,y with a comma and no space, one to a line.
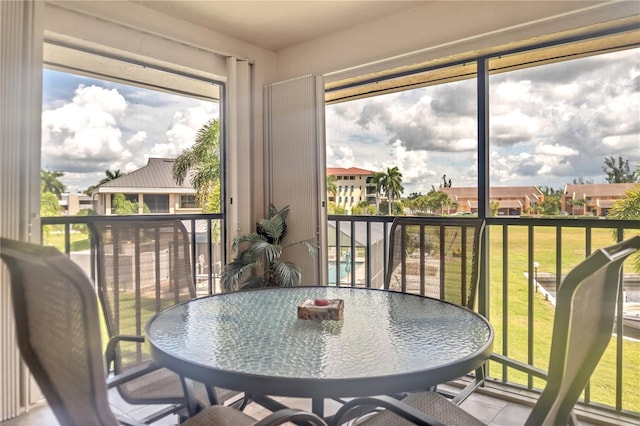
89,126
549,125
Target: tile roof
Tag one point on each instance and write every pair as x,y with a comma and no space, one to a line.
157,175
495,192
349,171
598,189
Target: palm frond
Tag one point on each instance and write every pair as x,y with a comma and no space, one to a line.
182,165
274,227
264,250
251,238
284,213
272,211
232,273
286,274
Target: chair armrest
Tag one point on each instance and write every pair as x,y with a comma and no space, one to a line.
110,352
132,373
526,368
398,407
291,415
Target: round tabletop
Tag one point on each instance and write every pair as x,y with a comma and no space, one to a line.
253,341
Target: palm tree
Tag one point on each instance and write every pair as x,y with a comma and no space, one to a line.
628,208
331,185
377,180
50,182
111,176
202,163
391,184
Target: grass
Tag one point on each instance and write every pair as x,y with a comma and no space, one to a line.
53,235
602,387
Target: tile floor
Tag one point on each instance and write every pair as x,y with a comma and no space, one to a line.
492,409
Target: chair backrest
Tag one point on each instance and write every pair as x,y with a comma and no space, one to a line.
435,257
582,327
143,267
56,315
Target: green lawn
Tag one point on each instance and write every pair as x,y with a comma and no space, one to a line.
544,243
53,235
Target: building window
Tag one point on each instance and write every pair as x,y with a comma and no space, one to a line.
188,202
133,198
157,203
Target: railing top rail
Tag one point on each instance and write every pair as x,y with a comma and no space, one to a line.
56,220
570,222
565,222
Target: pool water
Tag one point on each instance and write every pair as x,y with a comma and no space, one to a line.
343,271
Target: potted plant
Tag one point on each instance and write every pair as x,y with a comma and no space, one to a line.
260,262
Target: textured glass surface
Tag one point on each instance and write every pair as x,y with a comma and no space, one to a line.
258,332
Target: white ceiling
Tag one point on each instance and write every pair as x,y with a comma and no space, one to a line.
276,25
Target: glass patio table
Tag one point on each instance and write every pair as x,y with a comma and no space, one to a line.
387,342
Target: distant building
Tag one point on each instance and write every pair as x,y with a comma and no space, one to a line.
593,199
353,186
512,200
71,203
152,185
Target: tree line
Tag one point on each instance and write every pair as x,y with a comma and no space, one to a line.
388,185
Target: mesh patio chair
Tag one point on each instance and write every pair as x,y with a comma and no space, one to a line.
582,327
435,257
143,267
438,258
58,330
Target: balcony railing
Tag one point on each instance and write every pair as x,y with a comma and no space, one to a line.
526,259
71,235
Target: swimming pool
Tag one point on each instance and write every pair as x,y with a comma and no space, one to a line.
343,271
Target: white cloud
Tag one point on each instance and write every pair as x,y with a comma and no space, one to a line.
136,141
514,126
555,150
186,124
87,127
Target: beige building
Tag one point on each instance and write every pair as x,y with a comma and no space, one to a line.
353,186
71,203
512,200
593,199
151,185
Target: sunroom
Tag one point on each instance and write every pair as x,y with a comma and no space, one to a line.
273,68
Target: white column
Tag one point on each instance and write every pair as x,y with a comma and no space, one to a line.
239,150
